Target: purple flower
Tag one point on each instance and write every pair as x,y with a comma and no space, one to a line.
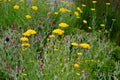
7,39
85,74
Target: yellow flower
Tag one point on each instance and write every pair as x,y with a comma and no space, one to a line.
62,10
99,30
28,16
25,45
24,75
52,36
58,31
74,44
102,25
84,21
85,45
76,14
34,8
94,2
56,13
29,32
76,65
78,8
16,7
26,34
107,4
89,27
79,54
92,9
24,39
83,5
78,74
63,25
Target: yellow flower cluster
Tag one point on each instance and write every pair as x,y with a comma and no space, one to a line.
94,2
25,45
29,32
85,45
56,13
84,21
58,31
63,25
74,44
107,4
34,8
76,65
16,7
78,8
28,16
25,40
64,10
77,14
51,36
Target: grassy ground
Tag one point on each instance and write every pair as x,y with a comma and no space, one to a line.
70,42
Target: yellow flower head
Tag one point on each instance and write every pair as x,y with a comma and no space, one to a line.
83,5
78,74
92,9
76,65
24,75
56,13
63,25
76,14
102,25
84,21
29,32
58,31
85,45
24,39
16,7
78,8
79,54
107,4
34,8
25,45
74,44
94,2
89,27
28,16
52,36
62,10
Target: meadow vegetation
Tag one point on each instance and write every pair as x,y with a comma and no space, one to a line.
76,40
